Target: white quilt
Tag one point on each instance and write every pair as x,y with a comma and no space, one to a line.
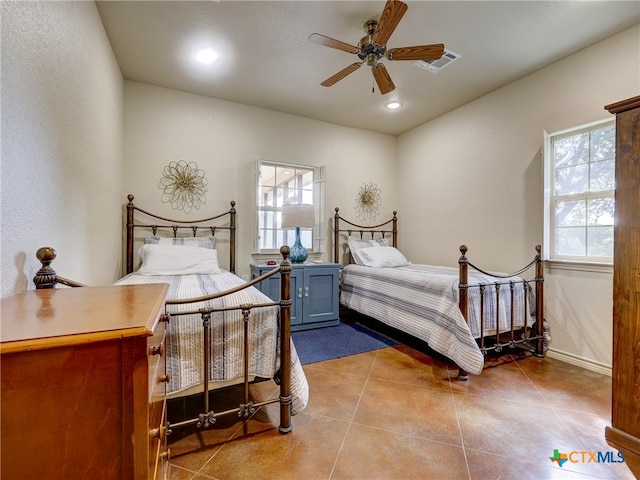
422,300
185,334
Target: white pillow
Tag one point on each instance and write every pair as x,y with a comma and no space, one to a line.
382,257
357,244
177,260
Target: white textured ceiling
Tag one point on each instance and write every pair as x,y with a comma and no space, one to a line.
266,60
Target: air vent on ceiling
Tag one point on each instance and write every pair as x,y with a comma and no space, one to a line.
435,65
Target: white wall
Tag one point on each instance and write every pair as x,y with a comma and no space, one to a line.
62,95
476,177
225,138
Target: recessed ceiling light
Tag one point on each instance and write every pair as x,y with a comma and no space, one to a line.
394,105
206,56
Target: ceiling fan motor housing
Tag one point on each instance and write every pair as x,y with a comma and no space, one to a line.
369,51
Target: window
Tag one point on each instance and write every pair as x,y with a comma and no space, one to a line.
579,186
279,184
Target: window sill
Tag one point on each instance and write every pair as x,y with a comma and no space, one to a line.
579,266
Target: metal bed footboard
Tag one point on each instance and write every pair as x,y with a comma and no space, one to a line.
207,417
537,338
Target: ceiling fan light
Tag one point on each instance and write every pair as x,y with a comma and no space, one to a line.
206,56
393,105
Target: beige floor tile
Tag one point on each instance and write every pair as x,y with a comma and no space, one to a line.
375,454
409,409
260,452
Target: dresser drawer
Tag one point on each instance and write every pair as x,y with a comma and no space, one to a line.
156,346
156,357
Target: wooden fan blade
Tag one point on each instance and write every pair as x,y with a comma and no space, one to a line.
419,52
391,16
385,84
333,43
341,74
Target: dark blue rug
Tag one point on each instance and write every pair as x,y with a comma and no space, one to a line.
334,342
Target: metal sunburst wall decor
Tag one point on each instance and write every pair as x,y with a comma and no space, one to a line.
183,185
368,202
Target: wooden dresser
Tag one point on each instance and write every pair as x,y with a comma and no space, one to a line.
624,432
83,383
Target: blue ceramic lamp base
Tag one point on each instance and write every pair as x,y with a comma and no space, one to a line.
298,253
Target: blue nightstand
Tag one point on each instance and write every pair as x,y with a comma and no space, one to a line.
314,293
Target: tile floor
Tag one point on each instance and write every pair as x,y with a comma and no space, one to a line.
398,413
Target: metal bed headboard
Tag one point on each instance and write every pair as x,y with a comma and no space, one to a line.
363,230
175,226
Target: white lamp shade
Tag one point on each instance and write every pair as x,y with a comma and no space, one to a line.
298,215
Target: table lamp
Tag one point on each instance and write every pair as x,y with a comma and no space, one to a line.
298,215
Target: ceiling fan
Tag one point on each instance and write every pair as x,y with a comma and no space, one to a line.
373,47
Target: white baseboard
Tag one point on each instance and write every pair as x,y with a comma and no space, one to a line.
585,363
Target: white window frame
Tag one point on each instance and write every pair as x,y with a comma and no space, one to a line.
316,247
591,263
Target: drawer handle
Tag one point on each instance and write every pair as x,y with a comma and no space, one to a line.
300,292
157,350
306,291
166,455
164,378
158,433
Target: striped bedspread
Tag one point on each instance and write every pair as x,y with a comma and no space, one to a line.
422,300
185,333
